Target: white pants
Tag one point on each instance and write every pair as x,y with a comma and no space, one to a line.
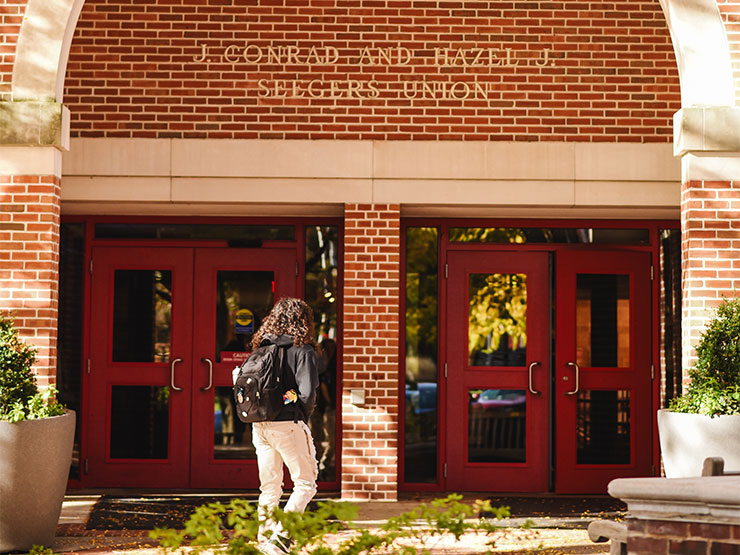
290,443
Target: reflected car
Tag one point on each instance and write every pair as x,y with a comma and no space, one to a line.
423,398
496,398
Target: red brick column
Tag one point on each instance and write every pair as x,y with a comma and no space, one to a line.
29,262
371,300
710,236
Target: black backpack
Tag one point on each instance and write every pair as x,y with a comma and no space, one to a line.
261,383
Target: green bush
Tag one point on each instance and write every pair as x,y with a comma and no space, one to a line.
20,398
232,529
715,379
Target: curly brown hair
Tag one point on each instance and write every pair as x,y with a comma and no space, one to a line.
289,316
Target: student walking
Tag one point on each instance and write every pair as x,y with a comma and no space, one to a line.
286,439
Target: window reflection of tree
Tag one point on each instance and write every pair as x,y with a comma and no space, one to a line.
162,290
421,304
487,235
497,319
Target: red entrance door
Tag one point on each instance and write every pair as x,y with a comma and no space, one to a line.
603,369
497,386
234,290
167,326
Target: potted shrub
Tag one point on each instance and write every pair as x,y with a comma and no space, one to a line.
705,420
36,438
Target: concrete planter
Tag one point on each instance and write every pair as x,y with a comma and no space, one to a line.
687,439
35,456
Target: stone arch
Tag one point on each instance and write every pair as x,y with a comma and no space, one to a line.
43,49
702,52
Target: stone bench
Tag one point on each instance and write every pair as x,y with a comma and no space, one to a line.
675,515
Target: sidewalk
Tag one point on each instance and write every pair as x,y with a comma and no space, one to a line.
559,524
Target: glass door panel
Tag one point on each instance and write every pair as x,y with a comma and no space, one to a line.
603,320
234,291
497,425
603,376
243,300
497,319
142,315
603,427
139,374
497,360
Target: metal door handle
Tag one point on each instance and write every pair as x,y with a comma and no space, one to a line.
210,374
578,372
532,389
172,375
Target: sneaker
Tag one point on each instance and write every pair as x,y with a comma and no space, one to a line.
269,548
282,542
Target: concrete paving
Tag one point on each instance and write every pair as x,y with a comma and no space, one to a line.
561,534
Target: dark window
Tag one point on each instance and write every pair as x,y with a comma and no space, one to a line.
420,437
322,294
603,427
240,235
71,302
670,313
139,422
142,311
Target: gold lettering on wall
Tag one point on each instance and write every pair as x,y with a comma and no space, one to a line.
372,56
443,86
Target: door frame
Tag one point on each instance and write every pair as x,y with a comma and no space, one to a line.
170,472
205,470
298,244
572,477
533,474
443,225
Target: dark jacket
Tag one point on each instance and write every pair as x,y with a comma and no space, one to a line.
302,361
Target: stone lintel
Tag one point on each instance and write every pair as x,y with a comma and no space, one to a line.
706,129
32,123
714,499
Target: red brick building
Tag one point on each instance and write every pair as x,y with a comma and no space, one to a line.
510,218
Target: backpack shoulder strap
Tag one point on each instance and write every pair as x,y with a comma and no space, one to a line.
287,374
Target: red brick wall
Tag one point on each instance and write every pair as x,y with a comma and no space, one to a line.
371,330
710,236
29,262
664,537
11,17
610,75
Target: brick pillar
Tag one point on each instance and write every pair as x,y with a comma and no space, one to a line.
29,262
371,342
710,236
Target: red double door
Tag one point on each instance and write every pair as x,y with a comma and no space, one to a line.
167,326
513,409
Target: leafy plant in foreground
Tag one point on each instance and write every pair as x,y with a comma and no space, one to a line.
231,529
20,398
715,379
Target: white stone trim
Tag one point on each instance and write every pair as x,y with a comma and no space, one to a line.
707,499
43,49
30,160
710,166
702,52
201,209
706,129
538,212
424,176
